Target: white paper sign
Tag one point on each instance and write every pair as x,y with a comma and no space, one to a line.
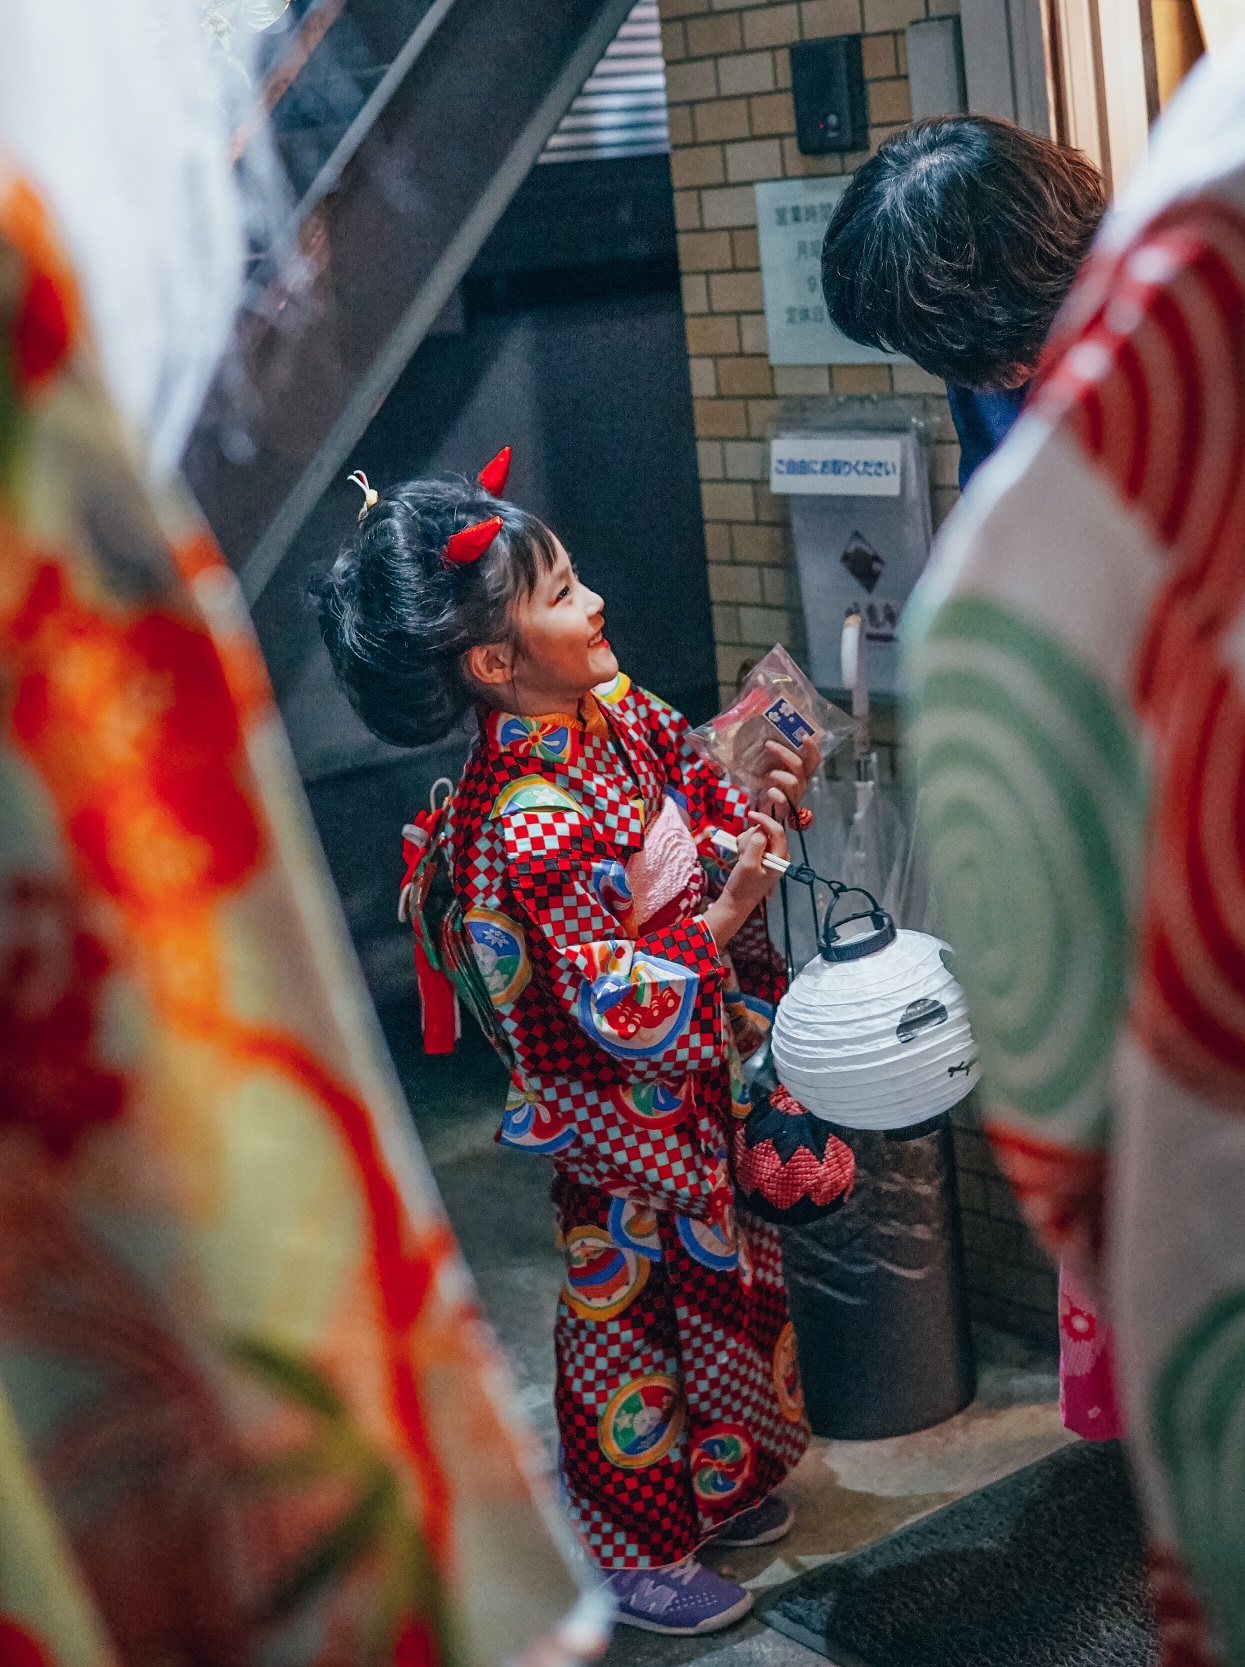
792,216
846,468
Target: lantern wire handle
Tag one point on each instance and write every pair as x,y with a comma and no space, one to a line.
806,866
786,929
806,875
833,948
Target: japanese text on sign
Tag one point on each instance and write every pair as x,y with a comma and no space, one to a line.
840,467
792,216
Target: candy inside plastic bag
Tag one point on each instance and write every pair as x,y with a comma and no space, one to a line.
777,703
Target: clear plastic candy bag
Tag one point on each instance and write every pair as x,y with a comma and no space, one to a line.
777,703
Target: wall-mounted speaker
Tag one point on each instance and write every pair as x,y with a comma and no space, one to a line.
828,87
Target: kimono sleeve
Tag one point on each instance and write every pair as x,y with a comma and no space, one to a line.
608,1033
650,1005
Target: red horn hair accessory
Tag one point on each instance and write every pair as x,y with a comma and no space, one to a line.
471,543
493,475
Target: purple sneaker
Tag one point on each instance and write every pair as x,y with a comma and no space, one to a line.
769,1521
682,1599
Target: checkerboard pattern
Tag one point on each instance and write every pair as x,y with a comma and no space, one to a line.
699,1335
713,1330
682,1167
535,866
729,1339
757,963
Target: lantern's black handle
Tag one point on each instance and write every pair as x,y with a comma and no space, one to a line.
832,948
865,943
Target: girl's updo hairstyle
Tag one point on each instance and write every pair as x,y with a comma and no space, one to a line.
397,619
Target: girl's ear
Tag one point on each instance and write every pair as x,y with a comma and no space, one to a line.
490,664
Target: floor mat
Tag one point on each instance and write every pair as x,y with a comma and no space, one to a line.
1042,1569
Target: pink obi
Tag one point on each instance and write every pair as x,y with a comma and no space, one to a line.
666,880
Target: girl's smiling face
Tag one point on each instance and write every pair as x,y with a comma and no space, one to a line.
558,649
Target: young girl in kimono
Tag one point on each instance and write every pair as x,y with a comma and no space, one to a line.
573,850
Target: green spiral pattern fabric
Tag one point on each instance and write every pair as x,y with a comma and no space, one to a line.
1197,1415
1032,810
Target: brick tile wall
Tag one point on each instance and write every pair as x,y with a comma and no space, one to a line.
1011,1282
732,123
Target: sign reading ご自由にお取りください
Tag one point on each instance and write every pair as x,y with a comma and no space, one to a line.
831,465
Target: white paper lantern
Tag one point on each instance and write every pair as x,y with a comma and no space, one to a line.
879,1040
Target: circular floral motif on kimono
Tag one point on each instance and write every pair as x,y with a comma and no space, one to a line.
652,1104
634,1225
642,1422
602,1278
723,1462
552,742
501,954
640,1021
1078,1323
714,1244
760,1012
529,1123
787,1385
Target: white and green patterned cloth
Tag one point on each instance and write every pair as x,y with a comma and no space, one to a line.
1077,657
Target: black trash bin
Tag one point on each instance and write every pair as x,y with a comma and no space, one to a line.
877,1291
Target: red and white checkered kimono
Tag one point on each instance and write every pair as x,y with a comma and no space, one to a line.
678,1396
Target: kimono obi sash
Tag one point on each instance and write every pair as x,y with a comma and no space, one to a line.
665,877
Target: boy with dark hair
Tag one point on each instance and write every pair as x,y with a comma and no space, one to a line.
956,245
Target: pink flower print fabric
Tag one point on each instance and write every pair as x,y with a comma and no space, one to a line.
1087,1402
665,876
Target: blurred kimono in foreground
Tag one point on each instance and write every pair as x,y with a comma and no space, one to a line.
248,1412
1079,658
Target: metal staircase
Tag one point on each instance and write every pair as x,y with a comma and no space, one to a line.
405,127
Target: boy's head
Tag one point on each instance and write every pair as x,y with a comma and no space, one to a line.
956,245
415,640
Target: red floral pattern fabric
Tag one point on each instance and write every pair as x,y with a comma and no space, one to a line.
1079,721
246,1400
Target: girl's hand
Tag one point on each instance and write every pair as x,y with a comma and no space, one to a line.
788,779
750,883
